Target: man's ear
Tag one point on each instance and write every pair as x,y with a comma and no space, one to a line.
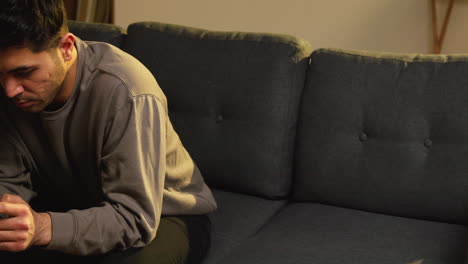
66,46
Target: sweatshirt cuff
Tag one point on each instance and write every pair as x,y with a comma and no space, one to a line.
63,231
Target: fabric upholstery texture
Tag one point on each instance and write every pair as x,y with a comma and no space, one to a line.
305,233
377,169
234,99
97,32
239,218
385,133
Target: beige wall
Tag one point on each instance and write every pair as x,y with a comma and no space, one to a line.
375,25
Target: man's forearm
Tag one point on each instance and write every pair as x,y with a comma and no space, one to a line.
101,229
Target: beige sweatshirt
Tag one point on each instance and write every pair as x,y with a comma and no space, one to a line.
108,163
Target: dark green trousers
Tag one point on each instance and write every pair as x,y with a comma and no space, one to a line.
180,240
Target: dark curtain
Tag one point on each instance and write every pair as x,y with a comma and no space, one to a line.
98,11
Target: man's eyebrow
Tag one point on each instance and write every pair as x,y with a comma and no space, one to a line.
22,68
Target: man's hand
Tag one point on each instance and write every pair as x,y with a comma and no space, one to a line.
23,227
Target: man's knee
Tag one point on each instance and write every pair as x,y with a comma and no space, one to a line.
170,246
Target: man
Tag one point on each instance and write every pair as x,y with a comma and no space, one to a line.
90,166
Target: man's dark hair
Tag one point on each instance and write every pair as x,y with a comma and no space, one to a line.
36,24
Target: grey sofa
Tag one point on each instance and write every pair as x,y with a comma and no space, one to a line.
323,157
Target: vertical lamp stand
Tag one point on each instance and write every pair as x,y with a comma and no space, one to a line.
439,39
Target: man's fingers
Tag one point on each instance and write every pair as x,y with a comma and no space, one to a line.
13,246
15,223
11,209
7,224
11,198
13,236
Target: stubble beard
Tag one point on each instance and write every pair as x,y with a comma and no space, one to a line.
53,89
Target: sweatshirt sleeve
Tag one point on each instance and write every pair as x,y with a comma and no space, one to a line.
14,173
132,173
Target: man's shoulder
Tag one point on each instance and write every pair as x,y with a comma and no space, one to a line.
119,68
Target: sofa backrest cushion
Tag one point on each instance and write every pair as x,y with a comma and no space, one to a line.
233,98
385,133
97,32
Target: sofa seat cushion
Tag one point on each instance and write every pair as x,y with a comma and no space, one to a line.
237,218
305,233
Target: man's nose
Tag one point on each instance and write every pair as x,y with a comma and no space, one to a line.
12,87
